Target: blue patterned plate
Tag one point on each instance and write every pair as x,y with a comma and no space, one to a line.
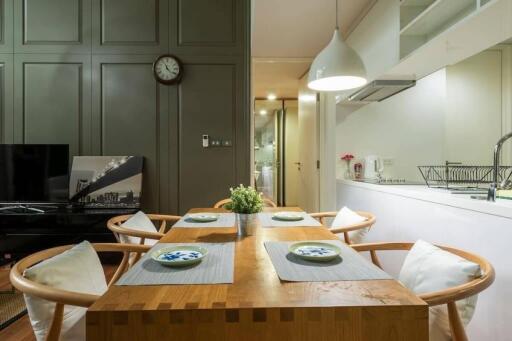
315,251
179,255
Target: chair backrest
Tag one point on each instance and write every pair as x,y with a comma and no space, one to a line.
368,223
64,297
447,296
224,202
115,225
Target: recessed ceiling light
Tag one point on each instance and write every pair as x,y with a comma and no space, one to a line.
263,112
271,97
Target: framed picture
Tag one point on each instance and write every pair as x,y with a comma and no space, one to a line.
106,181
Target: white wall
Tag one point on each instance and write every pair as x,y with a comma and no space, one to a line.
455,114
376,38
406,128
474,106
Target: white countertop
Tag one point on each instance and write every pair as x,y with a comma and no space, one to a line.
502,207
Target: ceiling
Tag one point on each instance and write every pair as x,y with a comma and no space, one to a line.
287,34
280,77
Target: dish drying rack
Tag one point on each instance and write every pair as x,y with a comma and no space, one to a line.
457,176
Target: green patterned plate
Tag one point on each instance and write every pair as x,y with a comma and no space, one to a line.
315,251
288,216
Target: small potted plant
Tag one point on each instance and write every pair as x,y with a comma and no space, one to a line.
246,202
347,158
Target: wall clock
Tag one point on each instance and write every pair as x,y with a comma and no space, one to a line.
167,69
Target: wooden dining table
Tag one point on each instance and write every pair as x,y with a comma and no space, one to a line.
258,305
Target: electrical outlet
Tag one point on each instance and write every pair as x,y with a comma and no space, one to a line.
388,161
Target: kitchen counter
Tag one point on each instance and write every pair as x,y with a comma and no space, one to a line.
502,207
412,212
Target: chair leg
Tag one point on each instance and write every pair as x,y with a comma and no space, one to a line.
375,259
347,238
55,327
121,268
456,326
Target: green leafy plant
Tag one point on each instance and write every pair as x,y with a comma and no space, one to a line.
245,200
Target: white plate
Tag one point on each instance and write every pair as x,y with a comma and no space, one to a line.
203,217
288,216
181,255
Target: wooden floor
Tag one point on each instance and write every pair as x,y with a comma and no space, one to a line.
21,330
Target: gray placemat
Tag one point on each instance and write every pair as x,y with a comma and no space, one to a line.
225,220
217,267
351,266
266,220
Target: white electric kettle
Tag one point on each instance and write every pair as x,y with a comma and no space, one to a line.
373,167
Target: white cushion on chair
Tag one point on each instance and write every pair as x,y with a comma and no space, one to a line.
139,221
77,269
428,268
346,217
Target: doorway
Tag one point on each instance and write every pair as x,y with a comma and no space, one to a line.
276,150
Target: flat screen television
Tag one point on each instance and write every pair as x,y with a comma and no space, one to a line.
34,173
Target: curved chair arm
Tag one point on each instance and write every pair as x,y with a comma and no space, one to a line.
224,202
455,293
114,225
221,203
64,296
447,296
368,223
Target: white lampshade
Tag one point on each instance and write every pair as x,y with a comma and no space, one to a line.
337,67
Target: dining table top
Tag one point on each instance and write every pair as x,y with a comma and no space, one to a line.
256,284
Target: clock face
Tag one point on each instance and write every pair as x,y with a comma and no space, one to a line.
167,69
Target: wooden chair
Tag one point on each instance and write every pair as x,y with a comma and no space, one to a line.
447,296
367,224
223,202
63,297
114,225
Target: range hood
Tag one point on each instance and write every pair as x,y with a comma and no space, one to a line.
379,90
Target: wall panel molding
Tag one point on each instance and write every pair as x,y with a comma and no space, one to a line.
218,81
130,26
6,26
130,117
80,72
203,27
52,100
6,98
205,24
52,26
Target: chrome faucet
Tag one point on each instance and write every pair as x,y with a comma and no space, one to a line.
493,188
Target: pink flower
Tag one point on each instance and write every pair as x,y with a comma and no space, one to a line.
347,157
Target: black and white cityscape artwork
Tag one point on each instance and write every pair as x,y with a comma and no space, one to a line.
106,181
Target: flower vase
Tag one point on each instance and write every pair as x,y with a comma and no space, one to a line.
348,172
245,224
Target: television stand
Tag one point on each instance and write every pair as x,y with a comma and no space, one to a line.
27,208
25,232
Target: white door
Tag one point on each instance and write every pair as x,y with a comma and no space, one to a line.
291,154
308,188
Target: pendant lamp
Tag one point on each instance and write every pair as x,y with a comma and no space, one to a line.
337,67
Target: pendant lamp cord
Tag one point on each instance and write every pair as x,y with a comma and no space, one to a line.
337,27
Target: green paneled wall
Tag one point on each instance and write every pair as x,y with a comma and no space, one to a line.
80,72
